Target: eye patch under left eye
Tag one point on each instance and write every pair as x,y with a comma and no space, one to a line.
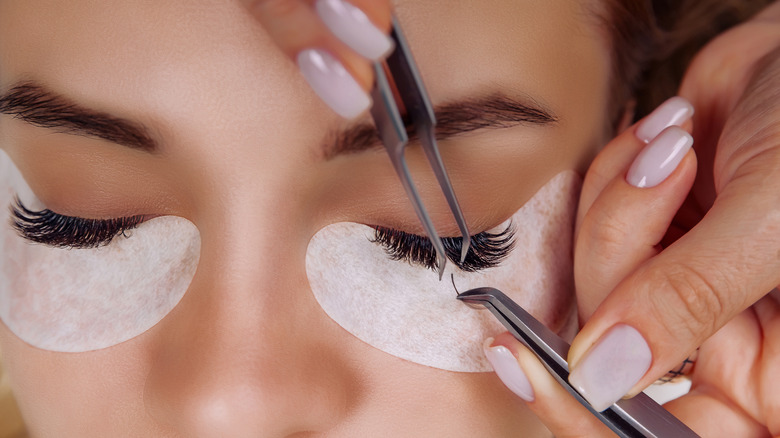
76,300
404,310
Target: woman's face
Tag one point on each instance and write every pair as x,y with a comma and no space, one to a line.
243,150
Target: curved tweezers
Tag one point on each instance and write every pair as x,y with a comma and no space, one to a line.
639,416
401,72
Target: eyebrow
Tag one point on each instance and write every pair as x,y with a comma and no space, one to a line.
40,107
493,111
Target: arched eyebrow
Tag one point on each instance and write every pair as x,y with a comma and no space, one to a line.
41,107
492,111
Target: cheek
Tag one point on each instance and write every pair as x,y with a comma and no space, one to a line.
406,311
88,299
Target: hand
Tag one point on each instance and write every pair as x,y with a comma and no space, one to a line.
333,43
660,273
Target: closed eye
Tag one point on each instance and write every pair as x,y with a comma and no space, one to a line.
59,231
487,250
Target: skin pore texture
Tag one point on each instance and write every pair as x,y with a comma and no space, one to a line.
248,351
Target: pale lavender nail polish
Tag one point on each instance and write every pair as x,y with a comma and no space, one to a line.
508,370
612,367
333,83
354,28
673,112
659,158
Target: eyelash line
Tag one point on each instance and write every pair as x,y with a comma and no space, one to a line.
49,228
487,249
56,230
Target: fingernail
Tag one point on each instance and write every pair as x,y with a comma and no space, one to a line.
612,367
659,158
333,83
354,28
508,370
673,112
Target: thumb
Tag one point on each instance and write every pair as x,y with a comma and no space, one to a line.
522,373
667,307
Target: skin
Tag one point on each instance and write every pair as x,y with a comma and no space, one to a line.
719,244
708,289
223,101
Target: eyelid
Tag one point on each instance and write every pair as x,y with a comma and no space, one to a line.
60,231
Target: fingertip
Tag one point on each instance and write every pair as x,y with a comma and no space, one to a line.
550,398
660,158
360,68
338,74
358,34
612,367
508,369
619,153
332,83
673,112
353,26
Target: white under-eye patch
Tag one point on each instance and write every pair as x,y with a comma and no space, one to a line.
404,309
76,300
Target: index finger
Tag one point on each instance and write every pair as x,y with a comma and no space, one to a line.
674,301
333,43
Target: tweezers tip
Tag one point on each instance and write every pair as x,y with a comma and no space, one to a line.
464,250
441,264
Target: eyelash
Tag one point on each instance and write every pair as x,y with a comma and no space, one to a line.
52,229
49,228
487,249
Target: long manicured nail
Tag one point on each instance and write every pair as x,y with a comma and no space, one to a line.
673,112
333,83
612,367
354,28
659,158
508,370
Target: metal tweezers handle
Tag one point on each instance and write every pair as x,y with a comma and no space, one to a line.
639,416
402,74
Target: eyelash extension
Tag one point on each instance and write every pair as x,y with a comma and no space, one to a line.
53,229
487,249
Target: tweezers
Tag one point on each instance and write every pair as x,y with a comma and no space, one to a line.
399,72
639,416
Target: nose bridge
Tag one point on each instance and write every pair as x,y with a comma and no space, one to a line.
248,352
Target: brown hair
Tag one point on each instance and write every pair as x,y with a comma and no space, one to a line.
653,41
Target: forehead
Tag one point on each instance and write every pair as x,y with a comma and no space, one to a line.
529,45
202,74
144,44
